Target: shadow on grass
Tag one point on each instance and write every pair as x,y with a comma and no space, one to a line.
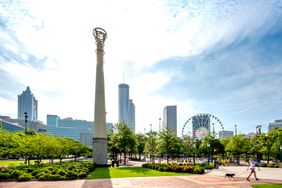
100,173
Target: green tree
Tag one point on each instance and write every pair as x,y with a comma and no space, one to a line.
270,143
188,146
140,144
212,146
238,145
151,145
277,134
126,139
256,144
112,145
168,143
224,142
8,144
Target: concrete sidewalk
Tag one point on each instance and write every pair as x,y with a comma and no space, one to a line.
242,172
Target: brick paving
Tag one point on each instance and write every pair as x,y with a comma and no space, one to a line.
212,179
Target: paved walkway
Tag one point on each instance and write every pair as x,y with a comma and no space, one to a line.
212,179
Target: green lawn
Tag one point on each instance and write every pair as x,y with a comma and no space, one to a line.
124,172
10,162
267,186
18,162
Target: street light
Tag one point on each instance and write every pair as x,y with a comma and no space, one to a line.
160,124
208,145
25,120
194,156
280,153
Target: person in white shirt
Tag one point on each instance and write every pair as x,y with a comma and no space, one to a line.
252,168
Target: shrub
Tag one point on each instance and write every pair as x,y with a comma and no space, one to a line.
4,175
175,167
16,173
50,177
145,165
71,167
187,169
82,174
62,172
71,174
25,177
204,165
37,176
211,166
198,170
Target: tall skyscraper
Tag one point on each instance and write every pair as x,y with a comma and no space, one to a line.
170,118
123,97
131,115
27,103
126,107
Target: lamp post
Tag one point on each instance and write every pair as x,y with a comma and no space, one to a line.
25,121
280,153
208,145
194,156
235,129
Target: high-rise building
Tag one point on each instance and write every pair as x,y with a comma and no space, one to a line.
126,107
170,118
123,98
72,128
27,103
276,124
225,134
131,115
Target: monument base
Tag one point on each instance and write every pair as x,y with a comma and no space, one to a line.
100,151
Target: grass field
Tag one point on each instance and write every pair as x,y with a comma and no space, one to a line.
267,186
125,172
17,162
11,162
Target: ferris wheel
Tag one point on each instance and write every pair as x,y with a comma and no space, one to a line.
199,125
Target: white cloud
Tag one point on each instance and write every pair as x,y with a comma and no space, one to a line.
140,34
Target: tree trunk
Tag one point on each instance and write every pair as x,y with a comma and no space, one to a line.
124,158
167,158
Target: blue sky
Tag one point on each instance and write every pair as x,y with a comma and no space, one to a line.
218,57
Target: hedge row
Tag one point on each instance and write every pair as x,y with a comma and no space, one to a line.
47,172
174,167
271,165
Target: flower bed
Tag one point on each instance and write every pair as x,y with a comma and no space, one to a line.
174,167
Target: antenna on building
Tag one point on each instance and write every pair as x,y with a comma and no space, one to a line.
123,77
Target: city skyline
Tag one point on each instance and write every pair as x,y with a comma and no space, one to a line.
221,57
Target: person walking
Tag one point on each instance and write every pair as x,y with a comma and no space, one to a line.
252,168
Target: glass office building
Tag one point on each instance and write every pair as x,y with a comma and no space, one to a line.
11,127
126,107
72,128
27,104
170,118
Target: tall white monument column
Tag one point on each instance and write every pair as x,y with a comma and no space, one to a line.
99,134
